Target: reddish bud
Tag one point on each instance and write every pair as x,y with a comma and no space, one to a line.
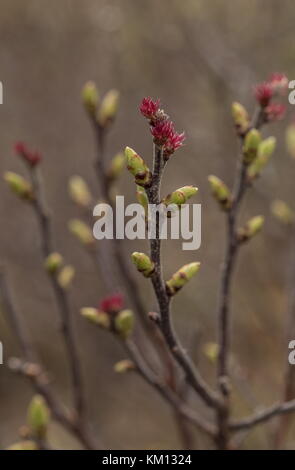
162,131
112,304
32,158
149,108
279,82
173,143
263,93
274,112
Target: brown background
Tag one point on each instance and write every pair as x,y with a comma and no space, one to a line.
198,57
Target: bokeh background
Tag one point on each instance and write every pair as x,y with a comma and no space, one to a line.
198,57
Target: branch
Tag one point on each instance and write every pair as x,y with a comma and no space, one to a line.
165,324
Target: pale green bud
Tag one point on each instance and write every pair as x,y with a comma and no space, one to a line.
81,231
180,196
265,150
220,191
98,317
252,227
124,323
38,417
138,168
108,108
290,139
90,98
143,263
142,197
79,191
124,366
251,143
19,185
53,262
181,277
117,166
283,212
66,276
241,118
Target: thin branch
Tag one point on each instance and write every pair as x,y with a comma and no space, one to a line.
165,324
262,416
43,218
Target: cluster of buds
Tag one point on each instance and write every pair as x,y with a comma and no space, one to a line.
112,316
220,192
181,278
102,112
54,266
32,158
162,128
264,92
143,263
252,227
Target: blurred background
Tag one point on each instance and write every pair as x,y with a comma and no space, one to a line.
197,57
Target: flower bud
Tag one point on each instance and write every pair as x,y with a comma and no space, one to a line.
19,185
290,139
98,317
142,197
283,212
53,262
117,166
81,231
108,108
138,168
124,366
143,263
124,323
38,417
251,143
241,118
90,98
181,277
265,150
66,276
252,227
220,191
79,191
180,196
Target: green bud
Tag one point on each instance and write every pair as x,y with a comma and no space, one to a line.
81,231
211,351
138,168
143,263
252,227
108,108
19,185
124,366
142,197
220,191
38,417
90,98
241,118
181,277
283,212
117,166
124,323
23,445
66,276
180,196
251,143
53,262
290,139
79,191
98,317
265,150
